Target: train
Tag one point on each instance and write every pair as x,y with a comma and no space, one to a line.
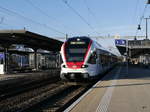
84,59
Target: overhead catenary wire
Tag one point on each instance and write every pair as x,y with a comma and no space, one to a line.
141,18
89,9
1,20
80,16
91,13
4,22
47,15
135,11
31,20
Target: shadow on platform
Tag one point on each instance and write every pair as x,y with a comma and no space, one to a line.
124,85
129,72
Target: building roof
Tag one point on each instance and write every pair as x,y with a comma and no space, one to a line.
29,39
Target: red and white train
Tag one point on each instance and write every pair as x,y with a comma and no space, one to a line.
83,58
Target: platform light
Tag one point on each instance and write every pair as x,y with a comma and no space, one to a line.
139,27
78,39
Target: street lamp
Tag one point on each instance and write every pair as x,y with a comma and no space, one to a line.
147,27
148,2
139,27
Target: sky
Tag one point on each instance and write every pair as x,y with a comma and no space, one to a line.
56,18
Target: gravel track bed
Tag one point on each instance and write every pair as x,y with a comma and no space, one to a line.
15,79
19,85
29,85
54,96
25,100
61,103
61,100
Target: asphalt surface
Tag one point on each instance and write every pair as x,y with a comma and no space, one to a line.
125,89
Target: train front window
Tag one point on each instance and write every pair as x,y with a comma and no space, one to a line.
76,50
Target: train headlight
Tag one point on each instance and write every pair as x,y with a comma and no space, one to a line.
64,66
84,66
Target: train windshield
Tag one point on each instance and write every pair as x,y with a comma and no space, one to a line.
76,49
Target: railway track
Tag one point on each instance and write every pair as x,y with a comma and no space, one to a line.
39,95
60,100
42,96
22,86
26,99
50,96
16,86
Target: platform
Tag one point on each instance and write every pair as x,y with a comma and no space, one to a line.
29,75
122,90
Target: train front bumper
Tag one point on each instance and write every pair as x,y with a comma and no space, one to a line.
75,74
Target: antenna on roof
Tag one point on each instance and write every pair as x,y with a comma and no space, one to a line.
66,36
24,28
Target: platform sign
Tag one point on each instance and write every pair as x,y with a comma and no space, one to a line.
120,42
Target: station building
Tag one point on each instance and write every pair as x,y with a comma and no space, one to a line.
136,51
24,51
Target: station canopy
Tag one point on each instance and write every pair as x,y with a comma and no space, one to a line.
135,47
30,39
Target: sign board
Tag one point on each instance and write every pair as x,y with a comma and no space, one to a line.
1,69
120,42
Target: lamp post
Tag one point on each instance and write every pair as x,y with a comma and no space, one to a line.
148,2
146,27
66,36
139,27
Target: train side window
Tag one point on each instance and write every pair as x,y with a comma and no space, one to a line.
92,59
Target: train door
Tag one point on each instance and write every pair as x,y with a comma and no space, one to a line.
103,62
97,62
93,64
100,68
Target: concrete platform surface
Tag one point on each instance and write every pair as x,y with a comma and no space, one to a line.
122,90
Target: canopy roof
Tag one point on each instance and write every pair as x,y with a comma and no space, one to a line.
30,39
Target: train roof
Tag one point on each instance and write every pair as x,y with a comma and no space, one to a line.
82,38
98,46
103,49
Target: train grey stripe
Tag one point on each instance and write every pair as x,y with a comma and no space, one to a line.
105,101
